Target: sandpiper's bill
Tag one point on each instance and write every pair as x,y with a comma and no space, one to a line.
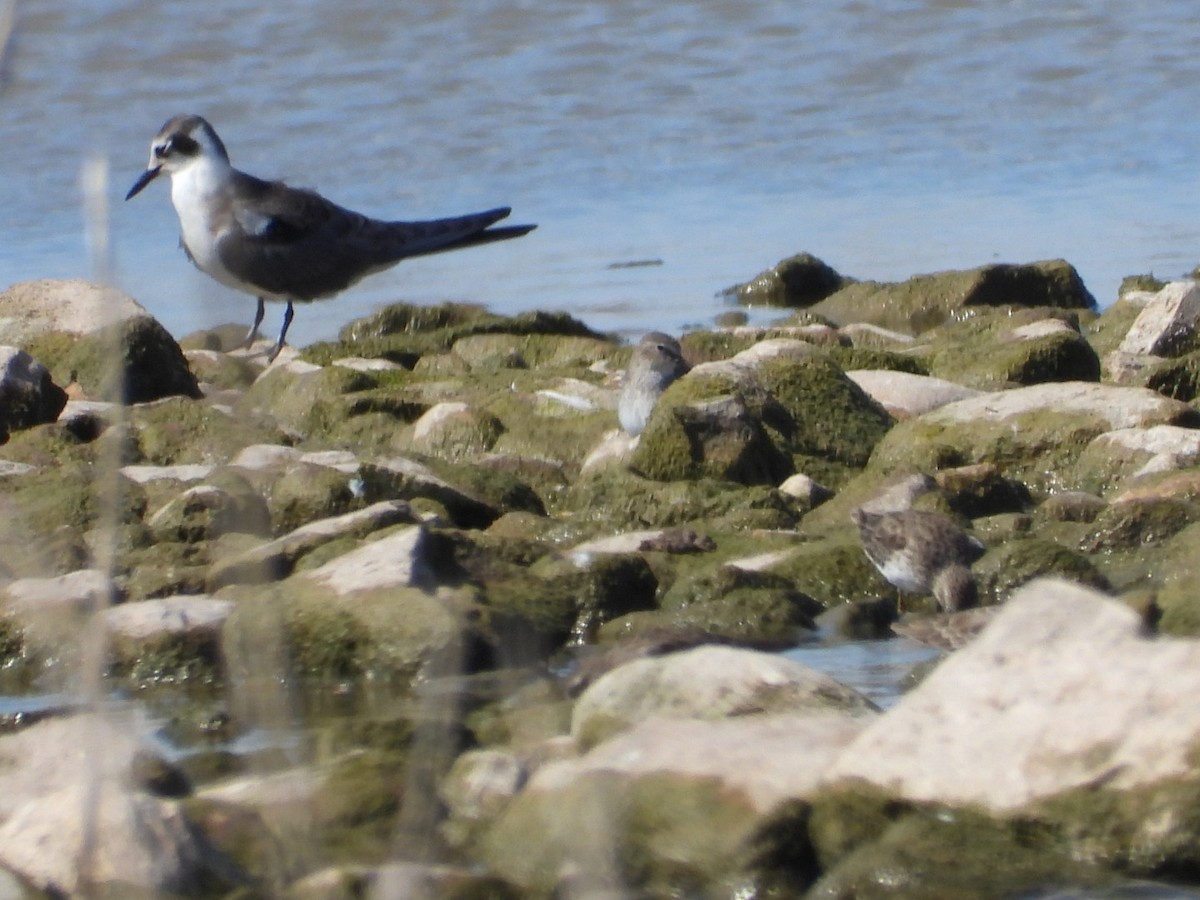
281,243
656,362
922,552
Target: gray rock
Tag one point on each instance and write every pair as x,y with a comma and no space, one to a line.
397,560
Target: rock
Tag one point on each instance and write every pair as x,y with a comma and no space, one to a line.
925,301
27,395
799,281
1037,432
1013,717
276,559
1114,458
455,431
142,474
207,511
676,800
1167,323
72,823
710,682
1177,378
167,639
80,328
397,560
614,451
904,395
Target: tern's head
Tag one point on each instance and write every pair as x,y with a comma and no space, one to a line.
181,142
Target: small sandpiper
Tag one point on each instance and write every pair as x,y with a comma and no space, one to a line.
657,361
922,552
281,243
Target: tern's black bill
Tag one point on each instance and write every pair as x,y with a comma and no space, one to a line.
144,179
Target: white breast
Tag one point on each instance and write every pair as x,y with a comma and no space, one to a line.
198,194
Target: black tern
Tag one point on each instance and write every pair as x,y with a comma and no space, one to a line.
282,243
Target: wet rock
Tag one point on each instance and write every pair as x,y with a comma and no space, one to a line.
1019,560
176,431
27,394
925,301
1167,323
800,280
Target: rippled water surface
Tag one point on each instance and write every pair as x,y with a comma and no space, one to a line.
889,138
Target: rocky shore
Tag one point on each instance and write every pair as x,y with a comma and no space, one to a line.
407,614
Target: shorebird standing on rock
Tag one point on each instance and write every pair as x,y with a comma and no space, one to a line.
922,552
281,243
656,362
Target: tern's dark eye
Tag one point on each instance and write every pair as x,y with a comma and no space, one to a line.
163,150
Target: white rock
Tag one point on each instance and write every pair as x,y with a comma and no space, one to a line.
31,308
398,560
186,472
627,542
866,334
83,591
1167,320
178,616
905,395
1060,691
1119,407
361,364
1168,447
708,682
614,450
1040,329
768,758
9,468
69,814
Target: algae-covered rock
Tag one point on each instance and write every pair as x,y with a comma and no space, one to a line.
133,361
105,339
1177,378
1115,458
799,280
604,586
456,431
1020,560
758,417
925,301
622,501
993,350
307,628
175,430
1034,434
759,608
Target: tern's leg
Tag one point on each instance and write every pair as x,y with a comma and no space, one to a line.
287,321
252,334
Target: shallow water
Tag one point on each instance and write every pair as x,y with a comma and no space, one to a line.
888,138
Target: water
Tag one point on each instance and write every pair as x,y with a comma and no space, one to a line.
889,138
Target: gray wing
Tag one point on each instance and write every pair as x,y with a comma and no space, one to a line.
297,244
